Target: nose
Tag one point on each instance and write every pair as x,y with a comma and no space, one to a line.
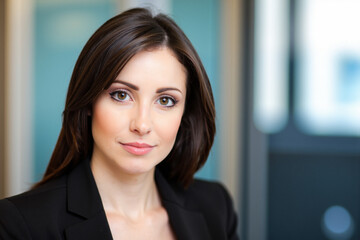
141,121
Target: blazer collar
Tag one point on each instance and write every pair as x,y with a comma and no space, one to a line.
187,224
84,200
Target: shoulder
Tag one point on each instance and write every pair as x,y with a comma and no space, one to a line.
208,194
208,197
207,187
215,203
19,214
50,192
12,223
208,191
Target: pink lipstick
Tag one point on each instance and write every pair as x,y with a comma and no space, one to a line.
137,148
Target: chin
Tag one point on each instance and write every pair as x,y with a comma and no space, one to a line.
136,169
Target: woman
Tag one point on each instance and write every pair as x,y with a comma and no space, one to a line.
139,121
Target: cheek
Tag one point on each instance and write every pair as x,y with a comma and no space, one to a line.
168,128
104,120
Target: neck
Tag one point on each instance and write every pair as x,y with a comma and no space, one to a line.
130,195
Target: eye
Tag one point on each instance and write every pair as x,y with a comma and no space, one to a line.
120,96
167,101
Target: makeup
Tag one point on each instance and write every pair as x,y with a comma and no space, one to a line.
137,148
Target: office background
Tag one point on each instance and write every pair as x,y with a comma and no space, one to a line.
286,80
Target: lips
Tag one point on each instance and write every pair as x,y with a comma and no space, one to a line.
137,148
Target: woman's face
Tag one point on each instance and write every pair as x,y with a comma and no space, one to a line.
136,120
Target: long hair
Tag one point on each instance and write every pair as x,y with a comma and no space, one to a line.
101,60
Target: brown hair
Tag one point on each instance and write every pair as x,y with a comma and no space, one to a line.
101,60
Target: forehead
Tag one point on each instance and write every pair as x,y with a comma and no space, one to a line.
157,66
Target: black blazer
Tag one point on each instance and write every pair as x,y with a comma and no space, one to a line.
70,208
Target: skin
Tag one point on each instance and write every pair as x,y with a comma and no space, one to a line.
144,105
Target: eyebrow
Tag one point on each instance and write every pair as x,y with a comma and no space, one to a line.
167,89
161,90
127,84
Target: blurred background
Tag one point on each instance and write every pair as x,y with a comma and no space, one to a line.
286,81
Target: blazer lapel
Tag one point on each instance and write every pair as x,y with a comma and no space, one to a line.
187,224
84,200
92,229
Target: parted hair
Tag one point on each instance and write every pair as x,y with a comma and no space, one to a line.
105,54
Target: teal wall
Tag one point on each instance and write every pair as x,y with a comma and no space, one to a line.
61,30
200,21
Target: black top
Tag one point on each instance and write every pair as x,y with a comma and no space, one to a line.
70,207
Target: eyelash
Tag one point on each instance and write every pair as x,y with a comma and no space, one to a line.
173,100
114,94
